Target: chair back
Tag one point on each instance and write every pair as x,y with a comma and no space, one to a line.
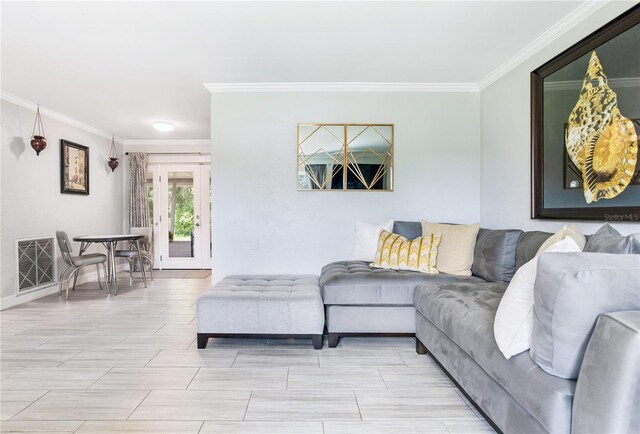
64,245
147,233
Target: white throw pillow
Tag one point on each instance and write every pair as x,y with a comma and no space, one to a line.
366,241
514,317
567,231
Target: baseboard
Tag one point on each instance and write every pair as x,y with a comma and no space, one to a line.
15,300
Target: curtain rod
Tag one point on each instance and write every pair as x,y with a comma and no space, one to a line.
175,153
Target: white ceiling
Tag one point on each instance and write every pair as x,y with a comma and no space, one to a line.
119,66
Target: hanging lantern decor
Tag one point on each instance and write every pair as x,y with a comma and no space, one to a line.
113,155
38,141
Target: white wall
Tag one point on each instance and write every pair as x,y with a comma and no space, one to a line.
31,202
261,224
171,146
506,138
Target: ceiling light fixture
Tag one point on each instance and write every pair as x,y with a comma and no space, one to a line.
163,126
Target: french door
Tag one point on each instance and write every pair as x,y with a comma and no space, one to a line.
181,215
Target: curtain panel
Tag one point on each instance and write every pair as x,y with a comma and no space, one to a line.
138,204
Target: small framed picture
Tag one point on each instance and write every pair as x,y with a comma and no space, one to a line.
74,168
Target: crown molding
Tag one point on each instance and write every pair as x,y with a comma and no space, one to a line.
575,17
340,87
176,142
55,115
578,15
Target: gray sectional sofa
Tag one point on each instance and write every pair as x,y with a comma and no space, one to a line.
452,318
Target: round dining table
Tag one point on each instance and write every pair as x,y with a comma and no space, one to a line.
110,243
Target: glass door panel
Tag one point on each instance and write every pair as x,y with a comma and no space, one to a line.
181,215
180,220
180,207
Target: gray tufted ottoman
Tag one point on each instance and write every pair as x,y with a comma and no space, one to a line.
279,306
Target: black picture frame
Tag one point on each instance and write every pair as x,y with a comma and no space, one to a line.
74,180
539,209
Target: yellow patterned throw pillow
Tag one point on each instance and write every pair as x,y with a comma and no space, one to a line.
395,252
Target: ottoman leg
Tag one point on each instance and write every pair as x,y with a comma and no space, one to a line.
317,341
202,340
333,340
420,348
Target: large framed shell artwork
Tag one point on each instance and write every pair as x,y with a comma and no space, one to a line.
585,120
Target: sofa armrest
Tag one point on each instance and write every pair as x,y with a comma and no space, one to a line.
607,396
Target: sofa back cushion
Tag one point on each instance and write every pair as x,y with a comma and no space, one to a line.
494,257
571,291
528,245
409,230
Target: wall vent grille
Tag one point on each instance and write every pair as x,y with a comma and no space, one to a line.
36,261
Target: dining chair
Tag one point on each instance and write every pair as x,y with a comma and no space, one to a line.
145,252
75,263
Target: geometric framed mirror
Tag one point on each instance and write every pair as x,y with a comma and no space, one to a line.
365,150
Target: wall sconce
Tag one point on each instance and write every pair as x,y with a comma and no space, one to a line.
113,155
38,141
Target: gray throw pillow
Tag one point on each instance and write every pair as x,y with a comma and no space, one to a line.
409,230
494,256
571,291
609,240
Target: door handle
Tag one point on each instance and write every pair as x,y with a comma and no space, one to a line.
197,224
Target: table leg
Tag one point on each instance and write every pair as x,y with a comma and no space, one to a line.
108,270
108,267
114,277
144,276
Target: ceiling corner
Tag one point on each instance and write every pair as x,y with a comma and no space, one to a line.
579,14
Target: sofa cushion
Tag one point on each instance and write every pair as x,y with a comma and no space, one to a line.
567,231
571,291
609,240
355,282
366,239
494,257
514,317
455,253
409,230
465,312
528,246
609,377
454,307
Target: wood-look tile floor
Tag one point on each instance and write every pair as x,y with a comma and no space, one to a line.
129,364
